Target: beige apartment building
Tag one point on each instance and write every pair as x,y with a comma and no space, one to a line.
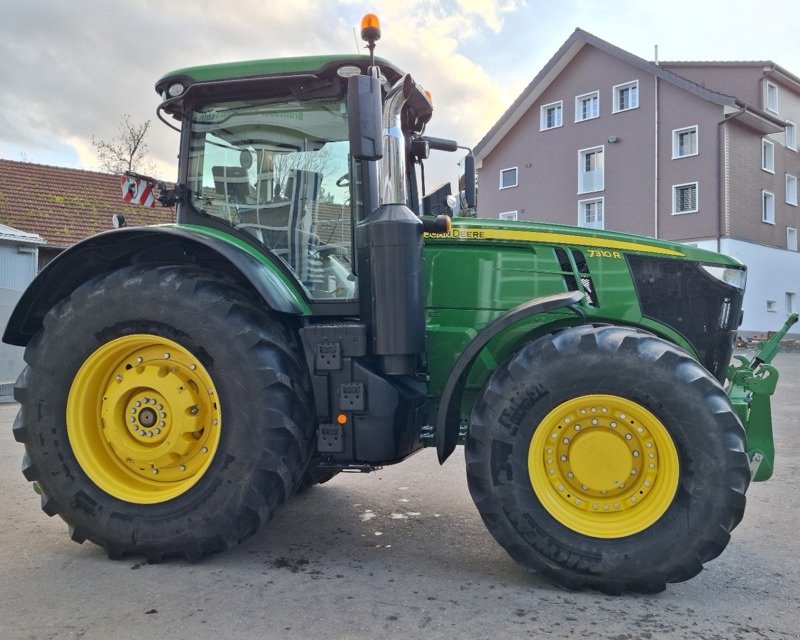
698,152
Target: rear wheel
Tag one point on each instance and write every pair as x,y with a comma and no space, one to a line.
163,413
607,458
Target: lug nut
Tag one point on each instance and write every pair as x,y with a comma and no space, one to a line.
139,359
182,467
141,433
166,356
204,450
118,378
157,431
161,424
194,410
155,472
193,367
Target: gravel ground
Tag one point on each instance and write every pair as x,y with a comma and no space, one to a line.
398,553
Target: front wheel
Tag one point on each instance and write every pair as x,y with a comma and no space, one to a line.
607,458
163,412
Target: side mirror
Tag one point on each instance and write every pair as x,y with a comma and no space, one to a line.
364,117
469,180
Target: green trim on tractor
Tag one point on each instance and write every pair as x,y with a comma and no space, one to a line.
314,311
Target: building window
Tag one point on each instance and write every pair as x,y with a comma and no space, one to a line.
551,116
587,106
684,142
507,215
789,302
591,170
591,214
791,189
626,96
791,135
791,239
772,306
768,207
508,178
767,155
772,97
684,198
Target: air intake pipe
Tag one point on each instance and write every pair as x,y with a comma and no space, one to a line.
391,241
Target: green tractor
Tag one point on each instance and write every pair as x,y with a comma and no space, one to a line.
305,317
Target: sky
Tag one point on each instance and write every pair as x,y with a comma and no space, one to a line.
70,69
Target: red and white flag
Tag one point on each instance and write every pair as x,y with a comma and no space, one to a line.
138,191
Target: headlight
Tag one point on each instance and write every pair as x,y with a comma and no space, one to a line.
729,275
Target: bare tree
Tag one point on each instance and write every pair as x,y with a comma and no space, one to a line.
126,151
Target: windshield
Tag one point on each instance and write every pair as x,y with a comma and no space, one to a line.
280,172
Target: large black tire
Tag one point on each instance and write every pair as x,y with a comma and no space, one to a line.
263,442
689,408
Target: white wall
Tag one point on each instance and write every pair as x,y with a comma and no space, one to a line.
771,274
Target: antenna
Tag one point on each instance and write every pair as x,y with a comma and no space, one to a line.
656,55
355,37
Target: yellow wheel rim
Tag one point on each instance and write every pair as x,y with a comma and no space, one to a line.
603,466
143,419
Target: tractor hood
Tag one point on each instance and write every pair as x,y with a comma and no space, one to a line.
501,231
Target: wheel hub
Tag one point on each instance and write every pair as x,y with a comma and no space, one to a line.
599,460
596,465
158,423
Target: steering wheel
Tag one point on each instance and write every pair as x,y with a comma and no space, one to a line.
343,181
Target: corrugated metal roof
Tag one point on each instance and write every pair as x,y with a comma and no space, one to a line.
64,205
9,233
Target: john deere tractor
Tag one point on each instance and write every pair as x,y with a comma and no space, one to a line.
305,317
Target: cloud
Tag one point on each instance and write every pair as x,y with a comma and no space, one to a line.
70,70
70,73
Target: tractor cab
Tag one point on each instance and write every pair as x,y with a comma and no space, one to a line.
268,151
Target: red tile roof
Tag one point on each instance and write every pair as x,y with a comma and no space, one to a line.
66,205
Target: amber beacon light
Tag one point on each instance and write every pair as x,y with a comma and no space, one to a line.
370,28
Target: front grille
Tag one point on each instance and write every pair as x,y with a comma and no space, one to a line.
681,295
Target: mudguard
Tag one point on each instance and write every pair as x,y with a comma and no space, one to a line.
164,244
448,416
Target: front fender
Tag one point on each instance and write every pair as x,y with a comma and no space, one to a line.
166,244
447,419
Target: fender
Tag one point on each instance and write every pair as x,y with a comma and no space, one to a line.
447,418
167,244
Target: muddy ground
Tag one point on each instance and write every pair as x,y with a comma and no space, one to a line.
400,553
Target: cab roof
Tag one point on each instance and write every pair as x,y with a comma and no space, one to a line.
256,69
